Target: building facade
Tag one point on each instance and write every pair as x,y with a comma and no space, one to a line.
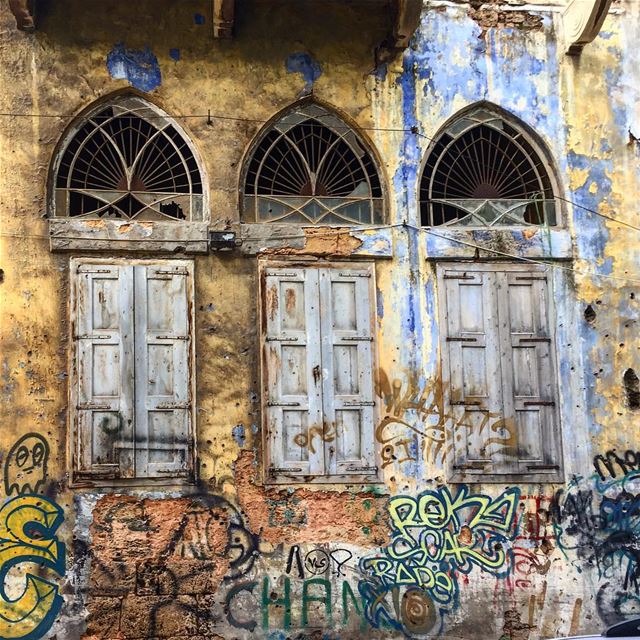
319,319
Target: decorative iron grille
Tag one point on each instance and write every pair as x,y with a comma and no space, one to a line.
126,161
484,172
310,167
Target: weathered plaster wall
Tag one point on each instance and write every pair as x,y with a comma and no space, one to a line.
229,557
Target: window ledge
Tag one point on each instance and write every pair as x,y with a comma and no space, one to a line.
335,241
68,234
123,485
523,242
554,477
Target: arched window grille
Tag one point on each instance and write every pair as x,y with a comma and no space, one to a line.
484,172
310,167
128,161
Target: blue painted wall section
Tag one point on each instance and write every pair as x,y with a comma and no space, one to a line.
139,67
307,66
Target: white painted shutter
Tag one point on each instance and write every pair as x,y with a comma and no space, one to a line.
473,371
347,370
528,369
293,372
105,369
163,299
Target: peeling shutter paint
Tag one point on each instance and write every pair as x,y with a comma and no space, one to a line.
499,366
318,369
133,354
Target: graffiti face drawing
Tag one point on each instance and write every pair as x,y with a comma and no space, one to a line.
25,469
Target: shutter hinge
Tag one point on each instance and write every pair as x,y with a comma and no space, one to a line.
354,274
275,339
358,403
81,270
281,275
471,465
173,405
539,403
86,336
274,470
464,277
282,404
534,340
88,406
542,467
530,277
362,469
177,272
356,338
450,339
467,403
169,337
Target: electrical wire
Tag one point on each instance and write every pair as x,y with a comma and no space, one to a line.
553,263
209,116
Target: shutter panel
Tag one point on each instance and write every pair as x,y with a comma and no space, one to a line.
471,366
163,295
528,363
293,372
347,370
105,369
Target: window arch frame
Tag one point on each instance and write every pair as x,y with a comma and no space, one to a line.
537,145
352,128
133,101
95,233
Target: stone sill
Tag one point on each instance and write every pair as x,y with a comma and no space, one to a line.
524,242
128,235
327,241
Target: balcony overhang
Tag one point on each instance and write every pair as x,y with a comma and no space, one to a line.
23,12
582,21
405,20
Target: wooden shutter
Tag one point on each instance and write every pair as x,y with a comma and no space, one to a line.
292,372
528,370
472,366
163,307
347,370
103,333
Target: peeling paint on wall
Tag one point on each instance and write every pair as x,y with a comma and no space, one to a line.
307,66
139,67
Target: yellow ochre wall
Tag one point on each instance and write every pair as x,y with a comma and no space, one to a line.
229,557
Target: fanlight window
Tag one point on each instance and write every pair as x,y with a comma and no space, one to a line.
310,167
128,162
484,172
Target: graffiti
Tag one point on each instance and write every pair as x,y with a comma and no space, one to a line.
612,465
325,435
28,525
25,470
597,524
417,420
251,600
534,544
435,537
318,561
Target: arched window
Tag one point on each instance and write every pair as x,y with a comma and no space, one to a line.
483,171
127,160
311,167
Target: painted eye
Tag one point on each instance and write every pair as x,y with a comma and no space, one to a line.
38,453
22,455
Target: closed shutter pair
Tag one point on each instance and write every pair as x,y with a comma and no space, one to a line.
499,365
134,360
318,371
